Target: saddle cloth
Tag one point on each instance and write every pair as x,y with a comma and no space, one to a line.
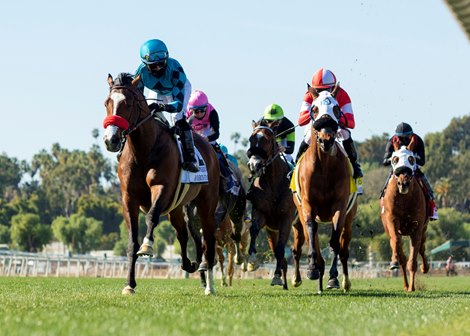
294,182
199,177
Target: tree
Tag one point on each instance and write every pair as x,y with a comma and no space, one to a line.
28,233
66,175
11,172
81,234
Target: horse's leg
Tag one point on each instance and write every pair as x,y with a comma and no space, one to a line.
394,240
321,264
415,246
257,222
221,259
236,215
206,215
402,259
311,231
245,242
422,252
273,239
299,240
177,220
345,239
284,232
131,215
337,228
151,220
230,262
194,227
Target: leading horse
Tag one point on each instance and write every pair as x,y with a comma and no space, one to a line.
149,173
324,194
273,207
404,212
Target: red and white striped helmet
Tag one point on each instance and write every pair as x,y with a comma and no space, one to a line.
323,79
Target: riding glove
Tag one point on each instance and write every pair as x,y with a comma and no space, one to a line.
157,107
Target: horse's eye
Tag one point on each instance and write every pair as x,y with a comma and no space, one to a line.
395,160
411,160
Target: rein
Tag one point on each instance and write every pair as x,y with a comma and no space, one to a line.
269,160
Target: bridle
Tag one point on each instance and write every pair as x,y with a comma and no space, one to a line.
122,122
257,151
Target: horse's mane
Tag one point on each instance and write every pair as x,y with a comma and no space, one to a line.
123,79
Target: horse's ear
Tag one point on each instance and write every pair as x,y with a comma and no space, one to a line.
395,143
411,146
136,80
110,80
335,90
253,123
312,91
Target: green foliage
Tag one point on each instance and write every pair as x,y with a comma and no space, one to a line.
372,150
11,172
28,233
105,208
81,234
4,234
120,248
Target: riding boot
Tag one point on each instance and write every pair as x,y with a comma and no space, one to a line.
189,154
348,145
430,194
302,148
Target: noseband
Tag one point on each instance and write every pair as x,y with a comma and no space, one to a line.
257,151
123,123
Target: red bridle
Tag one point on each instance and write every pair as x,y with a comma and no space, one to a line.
116,121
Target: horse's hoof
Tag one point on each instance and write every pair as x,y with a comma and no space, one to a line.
296,282
202,266
346,284
425,268
209,291
333,283
276,281
252,263
313,274
145,250
191,268
244,267
239,259
394,265
128,290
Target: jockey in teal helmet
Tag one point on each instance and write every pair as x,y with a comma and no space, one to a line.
164,77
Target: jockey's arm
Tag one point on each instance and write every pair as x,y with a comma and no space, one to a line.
285,125
215,126
388,153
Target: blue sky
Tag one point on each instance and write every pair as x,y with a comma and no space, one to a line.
399,61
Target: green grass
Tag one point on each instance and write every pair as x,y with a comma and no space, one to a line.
86,306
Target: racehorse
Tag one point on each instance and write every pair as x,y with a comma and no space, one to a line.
324,193
273,207
404,212
230,227
149,173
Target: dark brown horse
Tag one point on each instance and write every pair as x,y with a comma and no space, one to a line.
404,213
324,187
149,173
270,195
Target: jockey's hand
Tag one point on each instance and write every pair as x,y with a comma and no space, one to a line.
156,107
387,162
282,149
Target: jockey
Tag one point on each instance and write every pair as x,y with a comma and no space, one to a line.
204,120
286,128
403,135
324,79
165,77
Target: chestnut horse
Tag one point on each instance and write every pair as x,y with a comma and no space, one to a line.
273,207
404,213
149,173
324,187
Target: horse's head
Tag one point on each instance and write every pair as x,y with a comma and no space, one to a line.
263,145
125,106
403,166
325,114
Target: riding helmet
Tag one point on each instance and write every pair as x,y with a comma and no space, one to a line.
198,99
403,129
323,79
153,51
273,112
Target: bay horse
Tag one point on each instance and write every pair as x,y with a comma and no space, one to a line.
404,212
149,173
273,207
324,194
230,227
